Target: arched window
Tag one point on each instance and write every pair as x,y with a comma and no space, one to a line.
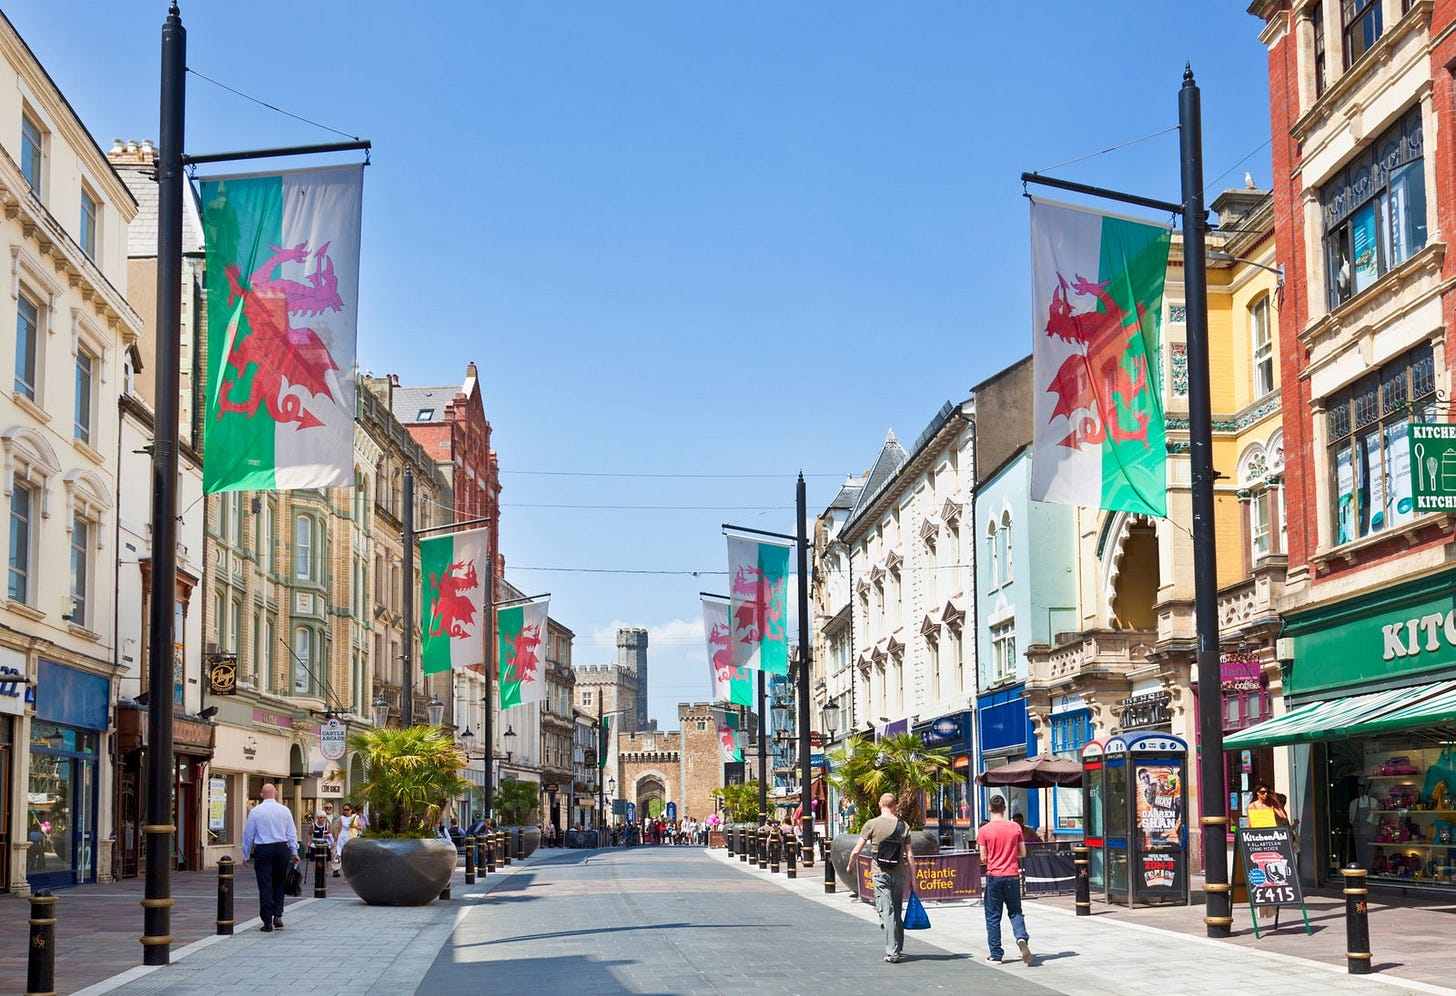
993,562
1003,539
303,651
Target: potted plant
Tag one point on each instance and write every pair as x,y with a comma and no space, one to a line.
516,804
410,774
740,811
863,770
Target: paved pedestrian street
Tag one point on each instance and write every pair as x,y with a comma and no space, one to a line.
665,920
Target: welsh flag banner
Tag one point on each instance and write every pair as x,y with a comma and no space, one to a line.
728,736
605,738
283,293
1097,308
452,596
521,630
730,684
759,604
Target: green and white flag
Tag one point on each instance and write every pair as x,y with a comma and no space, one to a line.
758,606
728,736
283,302
521,632
1099,435
729,683
453,598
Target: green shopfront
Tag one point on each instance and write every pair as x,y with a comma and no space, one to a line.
1370,723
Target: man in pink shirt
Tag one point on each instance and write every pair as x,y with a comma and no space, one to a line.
1002,848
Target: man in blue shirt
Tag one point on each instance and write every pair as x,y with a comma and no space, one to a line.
270,843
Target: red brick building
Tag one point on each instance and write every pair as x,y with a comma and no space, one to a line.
1361,109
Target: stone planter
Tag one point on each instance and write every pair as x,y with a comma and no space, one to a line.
531,840
921,842
405,872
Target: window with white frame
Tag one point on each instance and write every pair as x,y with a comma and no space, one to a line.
993,563
1375,210
1317,20
303,544
1003,650
1261,346
27,345
264,656
32,153
24,506
303,660
932,659
85,395
90,223
1368,427
235,626
81,567
265,544
954,641
1003,543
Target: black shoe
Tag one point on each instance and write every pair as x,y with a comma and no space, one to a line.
266,928
277,923
336,874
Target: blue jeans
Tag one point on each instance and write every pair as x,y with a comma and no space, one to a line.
1003,890
890,905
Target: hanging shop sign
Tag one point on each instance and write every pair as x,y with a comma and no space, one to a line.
1240,673
331,739
1433,466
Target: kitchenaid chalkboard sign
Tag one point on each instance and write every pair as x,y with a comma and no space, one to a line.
1270,874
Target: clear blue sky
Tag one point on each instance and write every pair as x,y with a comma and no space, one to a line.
739,240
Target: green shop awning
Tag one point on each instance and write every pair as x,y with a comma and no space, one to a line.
1335,719
1436,710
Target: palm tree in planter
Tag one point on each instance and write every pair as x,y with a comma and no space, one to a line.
516,804
863,770
410,775
740,810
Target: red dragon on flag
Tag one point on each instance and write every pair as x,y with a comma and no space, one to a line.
453,611
760,614
523,655
283,357
1095,380
719,642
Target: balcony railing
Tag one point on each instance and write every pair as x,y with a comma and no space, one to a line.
1088,654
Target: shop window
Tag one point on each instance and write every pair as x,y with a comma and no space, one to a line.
1369,459
1375,210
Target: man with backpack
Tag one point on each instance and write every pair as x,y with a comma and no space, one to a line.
888,839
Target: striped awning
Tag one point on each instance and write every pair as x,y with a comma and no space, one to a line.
1337,719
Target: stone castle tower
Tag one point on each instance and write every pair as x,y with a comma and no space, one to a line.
632,654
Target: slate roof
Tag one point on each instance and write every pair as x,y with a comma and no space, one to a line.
891,457
848,493
409,402
141,235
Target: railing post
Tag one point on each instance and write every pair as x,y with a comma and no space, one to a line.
320,871
225,896
469,860
40,972
1357,922
1084,880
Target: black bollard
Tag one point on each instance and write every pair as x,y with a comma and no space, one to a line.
320,871
1084,881
1357,922
40,972
225,896
790,858
480,855
521,843
469,860
828,869
728,842
745,844
490,852
763,849
505,846
775,847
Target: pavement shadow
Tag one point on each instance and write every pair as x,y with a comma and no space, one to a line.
618,930
1037,959
939,957
1386,966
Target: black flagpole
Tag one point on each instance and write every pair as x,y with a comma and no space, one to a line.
159,830
1217,908
806,790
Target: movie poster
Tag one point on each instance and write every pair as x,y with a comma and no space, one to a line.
1159,806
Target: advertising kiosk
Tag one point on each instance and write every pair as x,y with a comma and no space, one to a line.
1143,818
1093,829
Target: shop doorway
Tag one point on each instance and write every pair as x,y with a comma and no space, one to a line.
61,807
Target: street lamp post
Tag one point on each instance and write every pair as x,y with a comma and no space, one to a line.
830,719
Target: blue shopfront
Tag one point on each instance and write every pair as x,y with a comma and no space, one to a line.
1007,735
948,811
65,747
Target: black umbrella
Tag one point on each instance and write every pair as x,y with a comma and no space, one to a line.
1035,772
